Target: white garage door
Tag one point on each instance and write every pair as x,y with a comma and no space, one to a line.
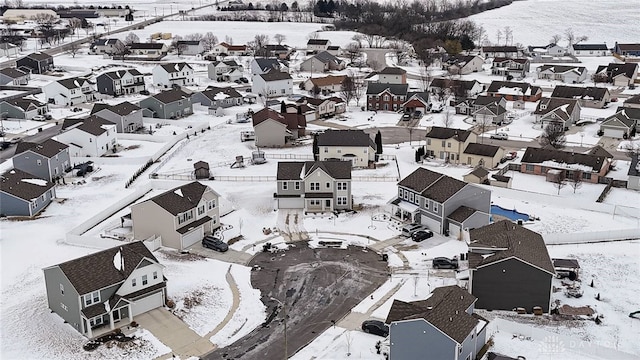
614,133
454,230
148,303
290,203
192,237
433,225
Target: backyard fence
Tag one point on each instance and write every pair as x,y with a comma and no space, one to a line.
592,237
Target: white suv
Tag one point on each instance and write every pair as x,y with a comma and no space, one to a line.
500,136
409,229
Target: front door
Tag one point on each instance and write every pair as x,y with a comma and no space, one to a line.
116,315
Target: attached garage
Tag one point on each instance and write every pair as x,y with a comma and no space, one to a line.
192,237
290,203
432,224
613,132
147,303
617,125
454,230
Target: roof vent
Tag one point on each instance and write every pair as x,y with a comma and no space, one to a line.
456,312
429,307
450,319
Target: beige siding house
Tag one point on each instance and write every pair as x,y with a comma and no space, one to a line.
448,144
271,133
180,217
482,154
347,145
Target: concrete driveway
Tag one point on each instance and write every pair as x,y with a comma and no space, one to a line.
174,333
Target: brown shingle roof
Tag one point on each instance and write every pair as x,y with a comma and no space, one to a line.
290,170
12,183
578,92
344,138
537,155
392,70
175,67
445,309
437,132
169,96
93,125
328,80
275,75
48,148
432,185
481,149
461,214
510,240
335,168
180,199
96,271
525,88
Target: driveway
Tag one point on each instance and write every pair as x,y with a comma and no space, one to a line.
174,333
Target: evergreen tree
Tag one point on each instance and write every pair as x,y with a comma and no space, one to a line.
378,141
283,107
316,149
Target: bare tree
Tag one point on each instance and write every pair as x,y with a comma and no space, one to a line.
447,119
498,36
194,37
74,24
178,45
353,51
359,88
401,51
313,35
279,38
209,40
348,87
483,122
425,77
580,39
120,49
73,49
261,40
570,36
553,135
131,38
508,35
555,39
576,180
228,39
559,180
358,38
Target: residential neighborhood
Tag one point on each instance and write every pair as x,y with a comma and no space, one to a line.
324,180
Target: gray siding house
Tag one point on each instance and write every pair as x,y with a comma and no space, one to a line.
48,160
22,194
509,267
214,97
314,186
107,289
23,108
444,204
126,116
561,111
13,76
120,82
36,63
441,327
170,104
180,217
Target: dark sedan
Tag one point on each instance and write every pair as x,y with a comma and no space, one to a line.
213,243
375,327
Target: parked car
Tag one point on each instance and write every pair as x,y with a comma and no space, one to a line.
500,136
214,243
444,263
409,229
244,80
511,155
375,327
417,114
421,235
39,118
406,117
144,92
48,116
437,108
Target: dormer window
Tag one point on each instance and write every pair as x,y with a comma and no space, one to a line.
92,298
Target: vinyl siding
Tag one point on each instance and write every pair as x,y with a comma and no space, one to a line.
53,278
417,339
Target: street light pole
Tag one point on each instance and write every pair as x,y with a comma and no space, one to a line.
284,312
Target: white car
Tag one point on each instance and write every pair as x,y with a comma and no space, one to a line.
39,118
500,136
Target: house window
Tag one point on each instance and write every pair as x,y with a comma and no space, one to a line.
314,186
339,151
34,204
64,307
201,210
586,176
314,202
342,186
184,217
134,282
285,185
95,321
39,162
444,143
211,204
435,207
328,185
342,200
406,195
144,280
326,150
428,141
411,197
426,204
92,298
61,289
297,185
529,167
155,275
416,200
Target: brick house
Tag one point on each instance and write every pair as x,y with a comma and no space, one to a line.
386,97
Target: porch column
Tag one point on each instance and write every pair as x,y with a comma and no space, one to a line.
130,312
111,326
88,325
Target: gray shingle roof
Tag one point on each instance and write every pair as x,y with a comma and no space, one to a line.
123,108
12,73
176,67
180,199
73,83
118,74
480,172
24,103
445,309
211,92
633,100
39,56
587,47
614,69
539,155
561,69
267,64
437,132
461,214
622,117
344,138
526,88
444,83
96,271
290,170
499,49
432,185
510,240
326,57
274,75
48,148
579,92
337,169
12,183
392,70
93,125
395,89
317,42
481,149
173,95
561,106
146,46
599,151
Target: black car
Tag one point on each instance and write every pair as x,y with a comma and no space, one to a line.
213,243
444,263
375,327
244,80
421,235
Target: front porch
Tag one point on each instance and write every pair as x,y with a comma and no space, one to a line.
97,321
404,211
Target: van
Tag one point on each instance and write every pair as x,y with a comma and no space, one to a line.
247,135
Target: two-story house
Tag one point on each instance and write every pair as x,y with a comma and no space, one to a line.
170,104
98,292
126,116
618,74
224,70
150,50
70,91
324,108
518,68
583,50
180,217
23,194
500,51
322,62
263,66
23,108
565,73
464,88
273,129
120,82
539,161
190,47
588,96
35,63
443,326
224,49
214,97
278,51
314,186
386,97
444,204
482,154
315,46
107,46
557,111
272,84
447,143
13,76
489,110
173,74
93,136
463,64
48,160
325,85
509,268
392,75
514,91
354,146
